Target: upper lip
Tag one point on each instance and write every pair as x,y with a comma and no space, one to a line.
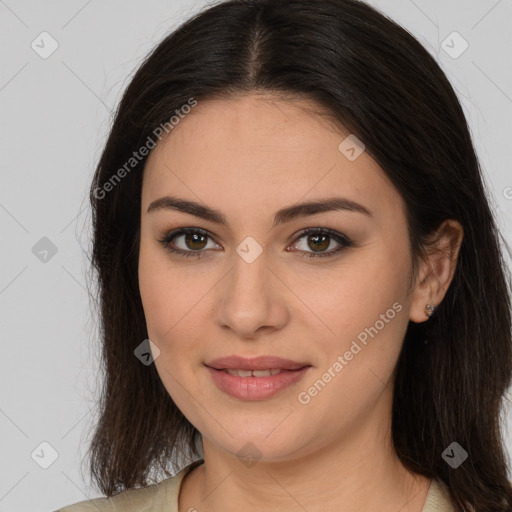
255,363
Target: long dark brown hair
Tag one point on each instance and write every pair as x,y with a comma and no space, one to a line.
381,84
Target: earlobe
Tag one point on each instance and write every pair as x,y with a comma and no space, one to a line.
430,309
423,295
437,271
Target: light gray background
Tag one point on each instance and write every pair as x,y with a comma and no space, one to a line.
55,115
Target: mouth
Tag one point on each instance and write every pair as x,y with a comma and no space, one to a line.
246,384
256,373
242,364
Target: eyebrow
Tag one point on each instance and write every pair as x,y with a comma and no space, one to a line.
284,215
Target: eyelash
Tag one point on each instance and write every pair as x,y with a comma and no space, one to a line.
338,237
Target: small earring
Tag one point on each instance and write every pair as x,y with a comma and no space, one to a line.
429,309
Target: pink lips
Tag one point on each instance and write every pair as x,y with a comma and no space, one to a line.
252,387
255,363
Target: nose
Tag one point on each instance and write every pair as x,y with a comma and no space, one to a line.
251,299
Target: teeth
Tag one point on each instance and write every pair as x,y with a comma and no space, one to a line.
255,373
240,373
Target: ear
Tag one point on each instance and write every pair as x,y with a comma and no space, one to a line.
436,271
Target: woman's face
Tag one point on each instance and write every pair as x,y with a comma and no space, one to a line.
252,286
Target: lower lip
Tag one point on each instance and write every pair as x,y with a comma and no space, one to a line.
255,388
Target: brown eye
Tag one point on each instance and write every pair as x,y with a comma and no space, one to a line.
187,242
319,240
195,240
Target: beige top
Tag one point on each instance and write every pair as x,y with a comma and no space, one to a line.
164,497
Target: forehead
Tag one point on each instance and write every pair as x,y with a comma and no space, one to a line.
260,151
259,124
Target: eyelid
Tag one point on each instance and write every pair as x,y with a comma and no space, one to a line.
340,238
174,233
343,240
319,229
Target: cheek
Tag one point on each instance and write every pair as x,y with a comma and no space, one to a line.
166,304
363,309
152,290
162,299
160,290
356,294
175,303
366,313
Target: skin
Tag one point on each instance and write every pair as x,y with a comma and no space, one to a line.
248,157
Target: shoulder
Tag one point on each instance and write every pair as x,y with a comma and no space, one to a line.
96,504
163,495
126,501
438,498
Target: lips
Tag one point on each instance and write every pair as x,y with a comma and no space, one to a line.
254,373
260,363
254,387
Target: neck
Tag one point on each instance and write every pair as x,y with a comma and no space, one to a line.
359,472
